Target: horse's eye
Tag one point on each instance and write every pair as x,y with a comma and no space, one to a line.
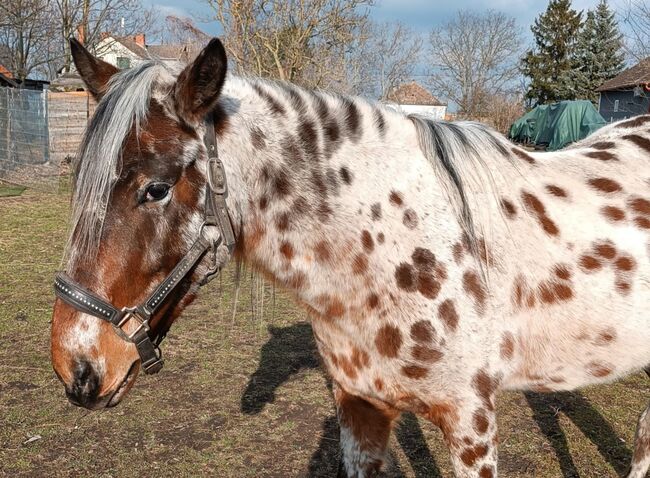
157,191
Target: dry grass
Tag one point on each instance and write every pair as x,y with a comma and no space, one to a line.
243,397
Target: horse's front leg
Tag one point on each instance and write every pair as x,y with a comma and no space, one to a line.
365,430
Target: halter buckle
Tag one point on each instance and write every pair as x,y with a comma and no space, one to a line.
129,313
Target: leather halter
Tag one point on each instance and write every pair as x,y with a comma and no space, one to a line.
215,215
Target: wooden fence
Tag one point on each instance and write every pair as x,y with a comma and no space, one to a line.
40,133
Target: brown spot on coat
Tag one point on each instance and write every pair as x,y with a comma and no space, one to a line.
388,341
605,337
469,456
562,271
410,219
323,251
523,155
556,191
473,286
381,238
507,348
640,141
428,286
640,205
360,358
346,175
423,258
373,301
486,472
286,249
605,185
396,199
367,242
535,206
375,211
458,252
405,277
642,222
509,208
589,263
625,263
414,372
613,213
448,315
634,122
422,331
480,421
599,369
258,138
603,145
605,250
486,387
601,155
360,264
422,353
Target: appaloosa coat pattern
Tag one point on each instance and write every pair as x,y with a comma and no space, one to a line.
438,262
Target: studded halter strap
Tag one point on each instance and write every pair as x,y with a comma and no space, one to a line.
215,215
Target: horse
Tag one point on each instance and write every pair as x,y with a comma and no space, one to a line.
438,262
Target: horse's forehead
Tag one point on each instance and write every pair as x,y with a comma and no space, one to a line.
162,134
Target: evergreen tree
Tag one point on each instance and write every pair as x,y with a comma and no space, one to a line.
549,64
599,52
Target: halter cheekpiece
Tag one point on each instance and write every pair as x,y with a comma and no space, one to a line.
215,215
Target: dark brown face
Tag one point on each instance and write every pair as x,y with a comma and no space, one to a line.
153,216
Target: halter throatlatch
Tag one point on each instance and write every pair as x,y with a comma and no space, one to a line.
215,215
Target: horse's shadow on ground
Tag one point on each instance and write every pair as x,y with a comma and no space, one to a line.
292,349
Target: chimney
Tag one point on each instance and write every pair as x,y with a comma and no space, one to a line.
81,34
139,39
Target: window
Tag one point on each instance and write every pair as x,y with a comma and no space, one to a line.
123,63
615,106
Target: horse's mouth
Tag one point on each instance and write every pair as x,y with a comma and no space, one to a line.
126,385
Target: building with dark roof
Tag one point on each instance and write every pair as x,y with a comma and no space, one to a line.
627,94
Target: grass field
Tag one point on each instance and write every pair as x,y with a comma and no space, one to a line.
243,395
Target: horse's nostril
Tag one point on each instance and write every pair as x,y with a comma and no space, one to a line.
85,387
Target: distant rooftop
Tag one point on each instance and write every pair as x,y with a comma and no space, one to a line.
633,76
413,94
136,44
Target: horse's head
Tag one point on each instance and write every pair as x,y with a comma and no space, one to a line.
138,207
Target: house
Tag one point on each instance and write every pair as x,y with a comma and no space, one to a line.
125,52
412,98
6,78
627,94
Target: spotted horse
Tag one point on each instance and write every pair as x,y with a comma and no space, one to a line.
439,263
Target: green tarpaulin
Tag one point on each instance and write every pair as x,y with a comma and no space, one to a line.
558,124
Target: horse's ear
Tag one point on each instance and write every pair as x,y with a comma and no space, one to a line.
93,71
199,84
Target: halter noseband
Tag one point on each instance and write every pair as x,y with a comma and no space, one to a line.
215,215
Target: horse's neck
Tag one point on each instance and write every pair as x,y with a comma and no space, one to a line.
313,174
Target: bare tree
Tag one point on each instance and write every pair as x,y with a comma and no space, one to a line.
305,41
182,31
383,58
475,57
26,29
636,15
92,19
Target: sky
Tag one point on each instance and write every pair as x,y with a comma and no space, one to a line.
420,15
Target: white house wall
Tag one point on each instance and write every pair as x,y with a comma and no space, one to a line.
110,50
433,112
